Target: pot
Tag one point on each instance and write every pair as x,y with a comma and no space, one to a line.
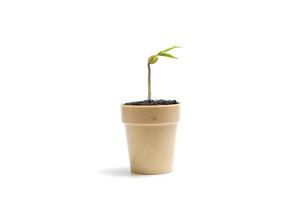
151,134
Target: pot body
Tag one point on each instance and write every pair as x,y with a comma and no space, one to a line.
151,134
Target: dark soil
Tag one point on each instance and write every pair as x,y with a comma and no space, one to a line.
152,102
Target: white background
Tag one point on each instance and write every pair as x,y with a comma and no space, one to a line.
66,66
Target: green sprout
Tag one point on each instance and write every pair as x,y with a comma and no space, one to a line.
153,59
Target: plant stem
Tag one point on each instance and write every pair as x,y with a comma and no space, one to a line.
149,81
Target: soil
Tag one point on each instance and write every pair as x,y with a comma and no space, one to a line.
152,102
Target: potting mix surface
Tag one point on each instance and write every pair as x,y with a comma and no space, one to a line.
152,102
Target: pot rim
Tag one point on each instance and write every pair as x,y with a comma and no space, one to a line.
151,106
150,114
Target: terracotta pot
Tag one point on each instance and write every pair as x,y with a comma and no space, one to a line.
151,134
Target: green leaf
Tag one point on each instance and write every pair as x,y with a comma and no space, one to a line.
166,55
168,49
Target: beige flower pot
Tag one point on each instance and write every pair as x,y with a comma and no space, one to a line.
151,133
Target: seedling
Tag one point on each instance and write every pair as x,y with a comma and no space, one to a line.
153,59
